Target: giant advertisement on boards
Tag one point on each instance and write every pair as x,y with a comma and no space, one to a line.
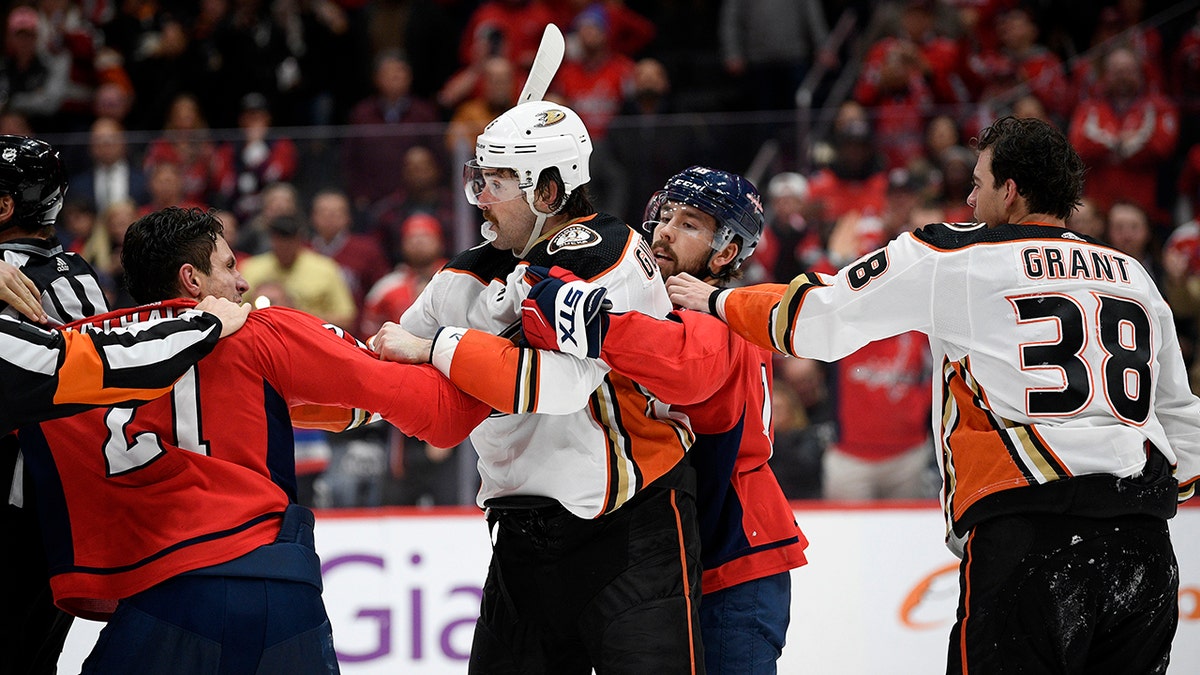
878,594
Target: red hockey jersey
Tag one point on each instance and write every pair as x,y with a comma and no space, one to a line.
131,496
722,383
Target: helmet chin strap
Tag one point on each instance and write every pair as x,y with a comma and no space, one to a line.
536,232
706,272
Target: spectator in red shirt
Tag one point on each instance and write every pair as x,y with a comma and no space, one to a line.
888,379
1020,65
186,143
1119,27
594,83
792,240
66,31
385,126
517,26
629,32
1124,136
257,159
423,253
854,184
892,84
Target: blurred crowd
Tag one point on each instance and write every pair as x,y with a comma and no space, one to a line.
330,136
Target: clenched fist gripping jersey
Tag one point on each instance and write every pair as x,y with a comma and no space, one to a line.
131,496
592,459
1058,357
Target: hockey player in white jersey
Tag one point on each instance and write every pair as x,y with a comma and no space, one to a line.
1066,428
595,560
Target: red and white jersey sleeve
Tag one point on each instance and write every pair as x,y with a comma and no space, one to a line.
50,373
1058,356
131,496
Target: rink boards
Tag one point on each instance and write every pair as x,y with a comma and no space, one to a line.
878,595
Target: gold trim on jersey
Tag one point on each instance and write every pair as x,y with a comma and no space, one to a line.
639,454
525,393
1031,461
790,303
949,422
624,479
1187,491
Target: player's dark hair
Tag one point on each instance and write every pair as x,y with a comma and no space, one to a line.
159,243
1039,159
729,272
578,203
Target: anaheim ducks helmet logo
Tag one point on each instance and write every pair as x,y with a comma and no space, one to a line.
550,117
10,154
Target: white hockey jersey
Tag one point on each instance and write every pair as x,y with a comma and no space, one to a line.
591,459
1058,360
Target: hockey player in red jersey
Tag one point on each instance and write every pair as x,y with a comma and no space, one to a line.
46,284
1066,426
707,222
176,520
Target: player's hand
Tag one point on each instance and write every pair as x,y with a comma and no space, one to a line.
564,313
393,343
689,292
20,293
232,315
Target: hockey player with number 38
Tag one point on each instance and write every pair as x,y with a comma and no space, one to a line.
1066,426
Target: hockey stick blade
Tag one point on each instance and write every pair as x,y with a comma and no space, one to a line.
545,65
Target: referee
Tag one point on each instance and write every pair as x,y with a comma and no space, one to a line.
33,184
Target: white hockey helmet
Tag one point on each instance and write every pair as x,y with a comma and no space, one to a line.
530,138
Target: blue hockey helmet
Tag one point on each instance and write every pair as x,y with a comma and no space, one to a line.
732,200
31,172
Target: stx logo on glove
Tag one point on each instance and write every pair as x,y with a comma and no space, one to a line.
566,316
564,313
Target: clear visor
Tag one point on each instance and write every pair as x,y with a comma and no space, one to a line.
484,185
660,215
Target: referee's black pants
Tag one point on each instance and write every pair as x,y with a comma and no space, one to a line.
32,629
1042,593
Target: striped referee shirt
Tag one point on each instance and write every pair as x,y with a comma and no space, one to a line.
69,292
46,374
67,282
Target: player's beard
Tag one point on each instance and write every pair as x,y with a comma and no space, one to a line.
675,265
